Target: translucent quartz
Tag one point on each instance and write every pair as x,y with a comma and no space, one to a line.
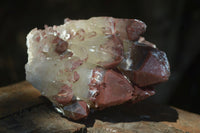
94,63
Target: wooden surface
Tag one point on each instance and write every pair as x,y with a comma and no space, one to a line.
16,97
22,109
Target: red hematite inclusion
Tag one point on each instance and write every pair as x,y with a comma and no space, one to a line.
94,63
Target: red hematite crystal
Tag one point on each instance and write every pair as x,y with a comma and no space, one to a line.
77,110
94,63
65,95
115,89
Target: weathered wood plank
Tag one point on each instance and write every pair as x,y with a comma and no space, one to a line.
145,117
22,110
39,119
187,122
132,127
16,97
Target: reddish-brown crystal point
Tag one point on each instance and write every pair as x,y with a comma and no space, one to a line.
77,110
112,64
141,94
155,69
76,64
61,45
65,95
76,76
114,46
135,28
114,91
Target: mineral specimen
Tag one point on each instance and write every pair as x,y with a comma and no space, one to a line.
94,63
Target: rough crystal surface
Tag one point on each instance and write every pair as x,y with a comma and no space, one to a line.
94,63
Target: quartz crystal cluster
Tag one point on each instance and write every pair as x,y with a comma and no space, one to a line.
94,63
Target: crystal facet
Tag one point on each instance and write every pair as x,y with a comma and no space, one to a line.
94,63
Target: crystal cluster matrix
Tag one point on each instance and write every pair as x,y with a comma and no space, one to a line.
94,63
